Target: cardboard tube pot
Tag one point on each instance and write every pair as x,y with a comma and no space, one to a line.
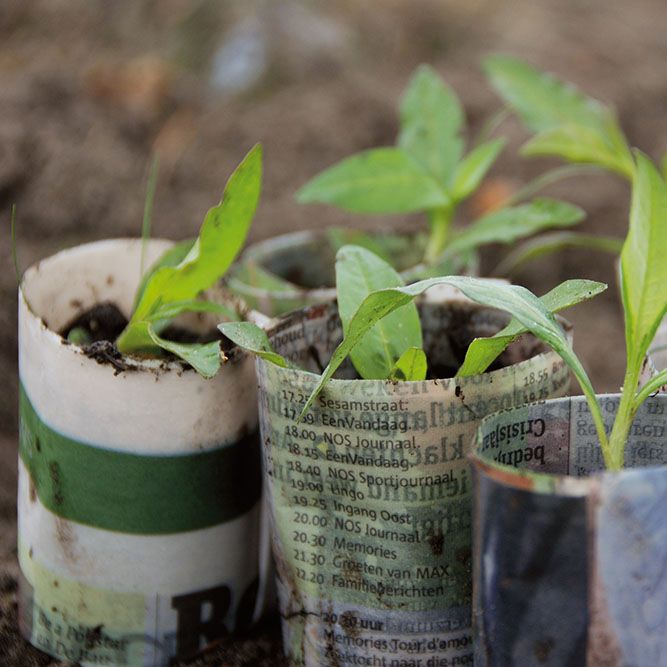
370,494
296,270
569,561
139,481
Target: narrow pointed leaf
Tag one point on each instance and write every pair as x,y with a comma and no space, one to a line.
411,367
221,237
381,180
546,244
654,385
514,222
431,122
204,358
358,273
482,352
581,144
474,167
250,337
170,310
643,264
171,257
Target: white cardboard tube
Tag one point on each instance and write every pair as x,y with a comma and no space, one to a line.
141,587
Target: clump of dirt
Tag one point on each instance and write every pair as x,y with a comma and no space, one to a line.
103,322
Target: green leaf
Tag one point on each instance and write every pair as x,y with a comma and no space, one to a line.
411,367
254,275
171,257
204,358
663,166
573,125
542,101
148,209
655,384
643,262
221,237
250,337
474,167
580,144
515,222
381,180
521,303
170,310
548,243
482,352
431,122
358,273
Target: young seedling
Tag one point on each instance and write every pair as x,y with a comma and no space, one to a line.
172,285
427,171
644,290
382,334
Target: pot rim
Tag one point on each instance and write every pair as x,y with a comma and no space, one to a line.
257,252
134,363
311,312
550,483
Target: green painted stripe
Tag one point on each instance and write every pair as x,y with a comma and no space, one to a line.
132,493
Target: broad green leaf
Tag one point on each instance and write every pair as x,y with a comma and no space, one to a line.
518,301
358,273
171,257
482,352
411,367
474,167
431,122
203,357
576,143
381,180
545,244
663,166
221,237
572,125
250,337
515,222
643,260
542,101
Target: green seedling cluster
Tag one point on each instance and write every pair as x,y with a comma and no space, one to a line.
428,172
173,284
382,332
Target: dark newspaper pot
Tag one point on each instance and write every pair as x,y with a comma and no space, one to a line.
569,561
370,494
296,270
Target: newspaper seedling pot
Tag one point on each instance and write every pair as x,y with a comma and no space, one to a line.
301,266
370,494
139,482
569,561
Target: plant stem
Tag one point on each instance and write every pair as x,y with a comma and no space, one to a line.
627,409
441,220
553,176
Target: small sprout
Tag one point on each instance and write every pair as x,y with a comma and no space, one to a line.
78,336
173,284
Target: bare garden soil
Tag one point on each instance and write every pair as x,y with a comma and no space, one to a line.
89,89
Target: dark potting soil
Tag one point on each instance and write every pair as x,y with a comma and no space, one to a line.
104,322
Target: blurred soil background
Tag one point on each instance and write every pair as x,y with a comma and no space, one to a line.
89,89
